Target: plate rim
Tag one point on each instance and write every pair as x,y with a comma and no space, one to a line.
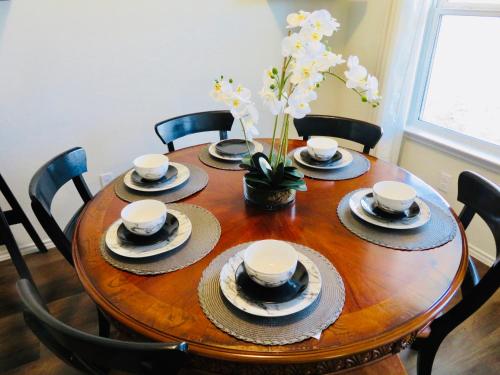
211,151
234,139
360,213
272,310
344,151
156,250
169,185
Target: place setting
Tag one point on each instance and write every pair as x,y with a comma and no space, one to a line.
228,153
155,176
323,159
392,214
153,238
271,292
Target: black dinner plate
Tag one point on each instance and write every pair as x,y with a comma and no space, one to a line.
304,154
283,293
170,175
166,233
234,147
370,206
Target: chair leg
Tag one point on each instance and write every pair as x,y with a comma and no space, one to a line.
20,215
427,352
471,277
104,327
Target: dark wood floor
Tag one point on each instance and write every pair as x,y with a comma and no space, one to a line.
474,348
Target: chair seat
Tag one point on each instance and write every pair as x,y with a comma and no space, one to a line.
70,227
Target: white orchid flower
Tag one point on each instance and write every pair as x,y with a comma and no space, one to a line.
372,93
243,93
248,121
356,75
297,19
221,90
298,104
322,22
271,101
293,45
305,70
307,90
329,60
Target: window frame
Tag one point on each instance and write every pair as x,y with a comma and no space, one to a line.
482,152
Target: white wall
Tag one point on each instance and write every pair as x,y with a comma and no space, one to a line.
99,74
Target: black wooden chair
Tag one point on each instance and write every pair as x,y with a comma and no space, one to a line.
94,354
480,197
69,165
177,127
16,215
331,126
10,242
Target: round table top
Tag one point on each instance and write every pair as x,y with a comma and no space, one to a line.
390,294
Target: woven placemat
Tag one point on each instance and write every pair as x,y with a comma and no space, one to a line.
204,236
359,165
198,179
440,229
273,331
209,160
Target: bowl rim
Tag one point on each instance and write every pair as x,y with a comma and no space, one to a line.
335,144
161,161
409,188
267,273
128,206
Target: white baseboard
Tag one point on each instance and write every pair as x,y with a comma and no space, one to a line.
26,249
481,255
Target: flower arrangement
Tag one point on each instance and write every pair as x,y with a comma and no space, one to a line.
287,93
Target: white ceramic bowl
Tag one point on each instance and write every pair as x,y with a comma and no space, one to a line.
270,263
145,217
151,166
394,196
322,148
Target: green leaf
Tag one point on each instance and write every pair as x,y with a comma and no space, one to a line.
257,182
278,174
288,162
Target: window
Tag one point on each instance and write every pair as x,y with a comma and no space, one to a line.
457,89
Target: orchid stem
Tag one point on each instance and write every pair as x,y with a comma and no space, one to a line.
274,138
246,138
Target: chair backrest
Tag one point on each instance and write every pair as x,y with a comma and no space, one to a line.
331,126
94,354
7,238
481,197
69,165
177,127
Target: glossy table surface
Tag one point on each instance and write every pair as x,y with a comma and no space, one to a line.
390,294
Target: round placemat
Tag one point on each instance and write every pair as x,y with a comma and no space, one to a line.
197,180
204,236
440,229
272,331
359,165
209,160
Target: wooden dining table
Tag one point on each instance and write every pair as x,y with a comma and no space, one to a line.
390,294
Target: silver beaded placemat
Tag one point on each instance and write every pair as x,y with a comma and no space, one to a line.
440,229
359,166
209,160
205,234
273,331
198,179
